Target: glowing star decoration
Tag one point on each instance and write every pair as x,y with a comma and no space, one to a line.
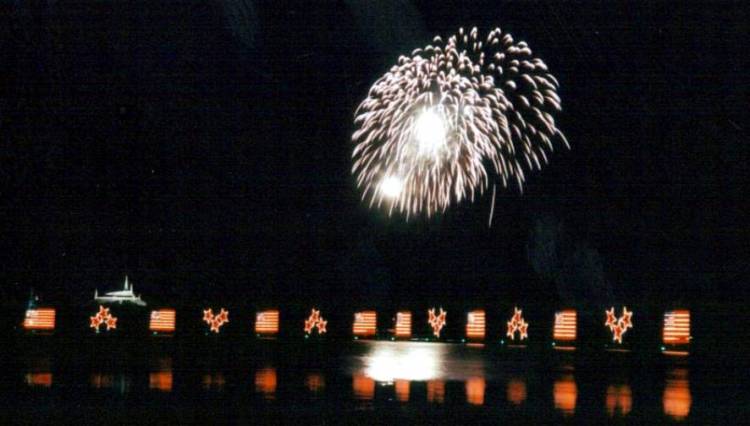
315,321
517,324
437,322
618,326
215,321
103,317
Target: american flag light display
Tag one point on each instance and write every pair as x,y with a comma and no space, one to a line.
39,319
565,326
403,324
162,321
365,324
676,327
475,323
267,322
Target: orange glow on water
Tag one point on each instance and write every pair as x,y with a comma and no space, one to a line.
565,325
267,322
677,399
43,380
475,390
160,380
436,391
565,394
266,382
213,381
39,319
102,381
619,400
363,387
402,390
403,324
516,391
365,324
475,323
315,382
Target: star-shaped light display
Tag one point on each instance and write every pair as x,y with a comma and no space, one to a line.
620,325
103,317
315,321
517,324
437,322
215,321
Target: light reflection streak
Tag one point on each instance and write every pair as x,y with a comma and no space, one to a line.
363,387
401,360
315,382
516,391
38,379
266,382
677,398
475,390
619,400
436,391
565,394
402,390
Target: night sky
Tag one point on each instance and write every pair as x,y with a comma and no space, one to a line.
203,148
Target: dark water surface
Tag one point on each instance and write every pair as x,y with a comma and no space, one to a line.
362,382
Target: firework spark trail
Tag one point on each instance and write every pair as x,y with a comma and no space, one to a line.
452,118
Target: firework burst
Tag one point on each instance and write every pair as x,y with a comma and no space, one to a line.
451,119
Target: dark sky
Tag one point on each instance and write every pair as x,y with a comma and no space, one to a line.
203,148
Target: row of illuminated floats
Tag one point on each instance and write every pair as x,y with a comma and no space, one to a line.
105,319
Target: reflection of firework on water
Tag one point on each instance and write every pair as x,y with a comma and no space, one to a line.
452,118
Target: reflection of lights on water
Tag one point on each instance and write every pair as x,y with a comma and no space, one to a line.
214,381
43,380
677,399
109,381
475,390
402,390
619,400
363,387
516,391
265,382
565,394
160,380
409,361
436,391
315,382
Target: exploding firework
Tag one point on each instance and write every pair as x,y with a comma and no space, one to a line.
451,119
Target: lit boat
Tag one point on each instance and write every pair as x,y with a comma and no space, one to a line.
125,295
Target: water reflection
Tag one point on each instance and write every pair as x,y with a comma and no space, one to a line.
266,382
565,394
160,378
677,399
363,387
38,379
619,400
388,361
516,391
436,391
213,381
402,390
315,382
110,381
475,390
